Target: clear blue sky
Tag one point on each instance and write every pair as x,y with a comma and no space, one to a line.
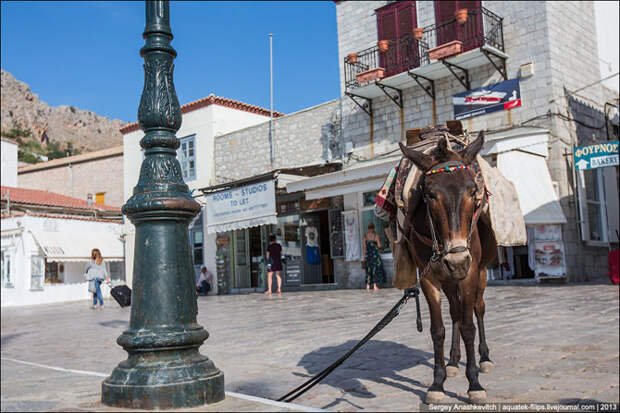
86,54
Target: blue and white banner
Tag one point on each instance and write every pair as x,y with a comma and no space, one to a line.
500,96
597,156
243,207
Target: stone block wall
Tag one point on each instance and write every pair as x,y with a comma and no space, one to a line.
299,139
558,38
80,179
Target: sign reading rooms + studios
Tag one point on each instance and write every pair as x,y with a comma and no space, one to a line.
596,156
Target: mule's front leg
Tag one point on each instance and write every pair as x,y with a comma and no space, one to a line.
438,332
451,292
476,392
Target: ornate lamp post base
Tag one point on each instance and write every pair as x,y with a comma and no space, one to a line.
164,369
184,381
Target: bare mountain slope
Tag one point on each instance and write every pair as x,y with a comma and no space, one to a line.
87,130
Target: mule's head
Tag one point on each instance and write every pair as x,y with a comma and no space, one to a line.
451,199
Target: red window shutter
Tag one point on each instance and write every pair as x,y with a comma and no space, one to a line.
395,22
386,23
448,29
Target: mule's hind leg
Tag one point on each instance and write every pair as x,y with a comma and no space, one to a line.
486,365
451,292
438,332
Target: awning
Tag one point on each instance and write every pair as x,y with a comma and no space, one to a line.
77,246
241,207
537,198
364,176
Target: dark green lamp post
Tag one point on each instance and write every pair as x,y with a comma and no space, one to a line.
164,368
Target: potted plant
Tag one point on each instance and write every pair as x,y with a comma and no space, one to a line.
418,32
461,15
383,45
352,57
372,74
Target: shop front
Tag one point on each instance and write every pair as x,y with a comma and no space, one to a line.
244,216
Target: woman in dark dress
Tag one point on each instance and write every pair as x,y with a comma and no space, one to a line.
372,258
274,258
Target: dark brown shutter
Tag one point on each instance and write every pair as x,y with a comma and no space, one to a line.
395,23
448,29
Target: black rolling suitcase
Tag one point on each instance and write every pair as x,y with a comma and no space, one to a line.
122,295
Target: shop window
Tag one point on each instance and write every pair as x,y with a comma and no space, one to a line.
37,272
52,273
368,216
196,239
187,157
115,269
7,270
597,203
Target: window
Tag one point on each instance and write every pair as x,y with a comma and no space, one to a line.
37,271
395,23
470,33
100,198
187,157
52,273
368,216
116,270
598,204
7,270
196,235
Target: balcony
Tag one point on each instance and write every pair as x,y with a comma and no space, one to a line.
409,62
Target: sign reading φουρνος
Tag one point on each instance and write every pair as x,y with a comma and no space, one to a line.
596,156
243,207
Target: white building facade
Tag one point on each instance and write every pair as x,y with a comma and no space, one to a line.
9,162
203,120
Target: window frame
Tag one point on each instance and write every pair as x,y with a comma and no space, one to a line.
184,160
33,276
585,204
10,280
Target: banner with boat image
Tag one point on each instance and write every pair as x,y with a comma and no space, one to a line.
487,99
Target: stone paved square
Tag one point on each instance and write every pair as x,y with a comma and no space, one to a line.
548,343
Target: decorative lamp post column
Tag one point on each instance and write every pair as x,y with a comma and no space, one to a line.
164,368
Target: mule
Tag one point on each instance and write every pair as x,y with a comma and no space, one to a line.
453,247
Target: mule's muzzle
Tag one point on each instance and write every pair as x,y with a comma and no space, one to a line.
457,262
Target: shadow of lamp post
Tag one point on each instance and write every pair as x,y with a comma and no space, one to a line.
164,368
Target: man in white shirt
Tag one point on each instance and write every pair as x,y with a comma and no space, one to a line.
203,285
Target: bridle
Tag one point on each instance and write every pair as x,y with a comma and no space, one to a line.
439,253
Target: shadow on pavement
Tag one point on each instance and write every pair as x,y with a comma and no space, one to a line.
377,361
4,340
114,323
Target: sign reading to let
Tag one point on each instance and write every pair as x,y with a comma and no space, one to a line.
596,156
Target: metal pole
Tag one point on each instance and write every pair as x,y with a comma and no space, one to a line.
271,98
164,368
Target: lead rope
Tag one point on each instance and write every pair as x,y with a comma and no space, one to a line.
408,293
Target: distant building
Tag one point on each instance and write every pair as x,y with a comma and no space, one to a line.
9,162
96,174
46,240
203,120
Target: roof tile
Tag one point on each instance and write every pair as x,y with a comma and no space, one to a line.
46,198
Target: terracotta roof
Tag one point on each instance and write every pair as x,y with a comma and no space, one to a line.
46,198
18,214
211,100
84,157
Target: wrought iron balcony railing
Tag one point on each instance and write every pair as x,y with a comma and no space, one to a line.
482,27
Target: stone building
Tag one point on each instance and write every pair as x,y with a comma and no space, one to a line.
525,73
98,175
203,121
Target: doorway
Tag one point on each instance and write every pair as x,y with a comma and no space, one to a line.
318,267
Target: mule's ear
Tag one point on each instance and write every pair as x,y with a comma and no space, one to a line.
420,159
443,147
470,151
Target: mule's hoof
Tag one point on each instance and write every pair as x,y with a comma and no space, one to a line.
452,371
486,366
434,396
477,396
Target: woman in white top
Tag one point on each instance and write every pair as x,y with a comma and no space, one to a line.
95,270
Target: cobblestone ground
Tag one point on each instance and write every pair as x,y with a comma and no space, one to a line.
548,343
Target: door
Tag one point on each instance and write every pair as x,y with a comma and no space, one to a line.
242,264
311,252
395,22
470,32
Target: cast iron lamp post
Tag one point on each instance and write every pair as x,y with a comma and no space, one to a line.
164,368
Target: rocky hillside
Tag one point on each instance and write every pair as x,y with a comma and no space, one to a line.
87,130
